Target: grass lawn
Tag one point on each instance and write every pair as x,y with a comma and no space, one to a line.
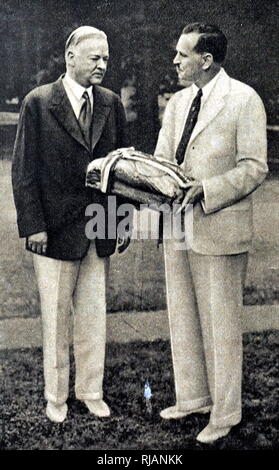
136,283
131,426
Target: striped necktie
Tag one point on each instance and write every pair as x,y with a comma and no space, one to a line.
188,128
85,118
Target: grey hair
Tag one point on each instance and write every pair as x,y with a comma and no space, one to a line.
82,33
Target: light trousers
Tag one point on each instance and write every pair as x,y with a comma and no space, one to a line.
204,296
81,284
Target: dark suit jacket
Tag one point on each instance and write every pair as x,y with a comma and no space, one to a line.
49,167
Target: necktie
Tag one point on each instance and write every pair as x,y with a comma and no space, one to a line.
188,128
85,118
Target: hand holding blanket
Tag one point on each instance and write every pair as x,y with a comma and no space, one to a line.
138,177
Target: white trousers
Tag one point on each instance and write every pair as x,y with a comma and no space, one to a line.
204,295
81,284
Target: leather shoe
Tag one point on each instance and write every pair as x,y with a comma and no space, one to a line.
173,412
56,413
211,433
98,408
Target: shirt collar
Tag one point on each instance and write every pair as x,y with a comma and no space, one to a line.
207,88
76,88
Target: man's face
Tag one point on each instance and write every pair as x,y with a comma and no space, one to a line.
89,60
189,64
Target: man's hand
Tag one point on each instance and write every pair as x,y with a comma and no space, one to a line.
194,193
123,242
95,178
37,243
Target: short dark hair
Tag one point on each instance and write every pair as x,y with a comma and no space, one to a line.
211,40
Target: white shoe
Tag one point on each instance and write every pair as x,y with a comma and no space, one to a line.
98,408
173,412
211,433
56,413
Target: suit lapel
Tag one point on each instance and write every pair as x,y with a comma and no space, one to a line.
63,111
213,105
101,109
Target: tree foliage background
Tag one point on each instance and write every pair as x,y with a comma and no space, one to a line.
142,36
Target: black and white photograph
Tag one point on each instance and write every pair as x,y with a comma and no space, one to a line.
139,228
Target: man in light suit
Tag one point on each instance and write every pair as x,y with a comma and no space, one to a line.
62,127
216,130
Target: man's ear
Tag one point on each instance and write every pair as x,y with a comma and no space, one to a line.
69,57
207,60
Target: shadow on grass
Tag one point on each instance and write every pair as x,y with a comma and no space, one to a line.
131,426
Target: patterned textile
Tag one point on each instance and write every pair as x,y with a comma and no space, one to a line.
138,177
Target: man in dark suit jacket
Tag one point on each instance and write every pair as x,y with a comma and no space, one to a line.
62,127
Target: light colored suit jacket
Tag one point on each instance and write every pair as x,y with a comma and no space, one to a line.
227,151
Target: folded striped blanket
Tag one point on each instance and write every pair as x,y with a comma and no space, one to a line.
138,177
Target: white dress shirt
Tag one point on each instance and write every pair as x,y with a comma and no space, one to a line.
74,92
206,90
